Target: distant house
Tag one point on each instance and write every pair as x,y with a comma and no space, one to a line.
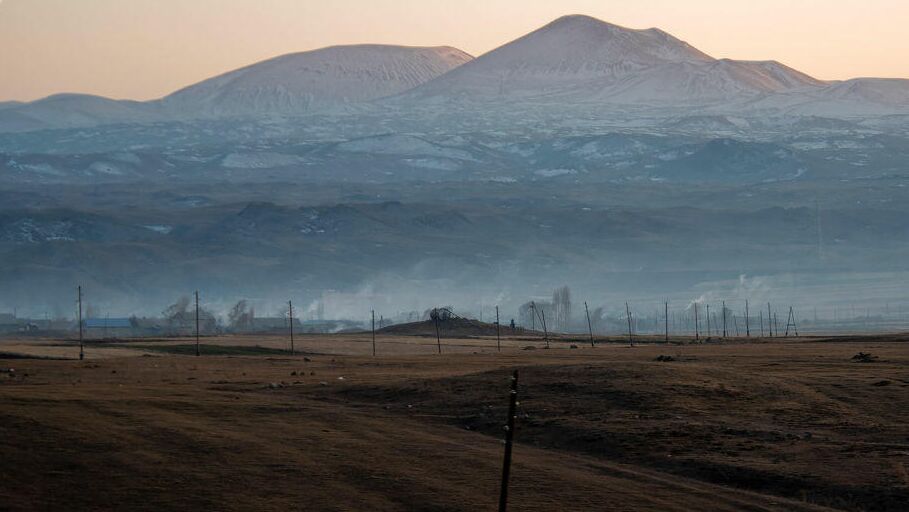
270,324
109,327
9,323
329,326
107,323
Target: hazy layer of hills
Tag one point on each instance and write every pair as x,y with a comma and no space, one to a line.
624,163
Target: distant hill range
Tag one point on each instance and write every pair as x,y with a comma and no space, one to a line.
573,61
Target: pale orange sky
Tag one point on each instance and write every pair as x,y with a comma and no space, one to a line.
144,49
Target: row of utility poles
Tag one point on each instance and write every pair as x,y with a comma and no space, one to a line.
536,313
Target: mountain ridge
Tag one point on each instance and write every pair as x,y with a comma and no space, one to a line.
575,60
318,79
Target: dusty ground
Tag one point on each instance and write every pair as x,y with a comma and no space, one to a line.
760,426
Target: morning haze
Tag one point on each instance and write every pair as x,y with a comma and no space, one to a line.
462,256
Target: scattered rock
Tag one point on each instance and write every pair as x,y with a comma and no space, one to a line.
293,374
7,370
573,347
529,347
307,360
664,359
340,378
274,385
881,383
323,383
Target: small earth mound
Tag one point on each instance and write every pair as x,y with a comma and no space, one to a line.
862,357
451,327
664,359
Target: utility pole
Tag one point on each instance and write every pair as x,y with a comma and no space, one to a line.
589,326
724,319
762,323
790,321
747,321
438,337
81,341
697,333
666,318
290,313
630,332
197,324
374,332
498,334
770,320
708,320
509,441
545,330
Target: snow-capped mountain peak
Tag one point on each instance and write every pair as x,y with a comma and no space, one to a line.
316,80
579,58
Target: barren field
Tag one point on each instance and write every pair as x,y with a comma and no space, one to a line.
145,425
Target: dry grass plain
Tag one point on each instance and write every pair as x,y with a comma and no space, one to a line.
794,425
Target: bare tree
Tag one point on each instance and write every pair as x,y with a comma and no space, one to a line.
241,316
178,315
181,315
561,307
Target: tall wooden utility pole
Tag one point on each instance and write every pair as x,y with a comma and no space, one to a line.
545,329
197,324
790,321
724,319
769,320
630,332
666,318
498,333
509,441
747,321
762,323
708,320
374,332
697,333
438,336
589,326
81,341
290,314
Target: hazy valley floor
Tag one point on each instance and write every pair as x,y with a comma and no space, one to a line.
792,425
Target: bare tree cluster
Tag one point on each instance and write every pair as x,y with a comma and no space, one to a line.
181,316
561,308
241,316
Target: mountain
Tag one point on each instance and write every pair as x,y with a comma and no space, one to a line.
567,52
72,111
574,66
579,58
315,80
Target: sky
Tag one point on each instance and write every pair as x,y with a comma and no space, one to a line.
145,49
